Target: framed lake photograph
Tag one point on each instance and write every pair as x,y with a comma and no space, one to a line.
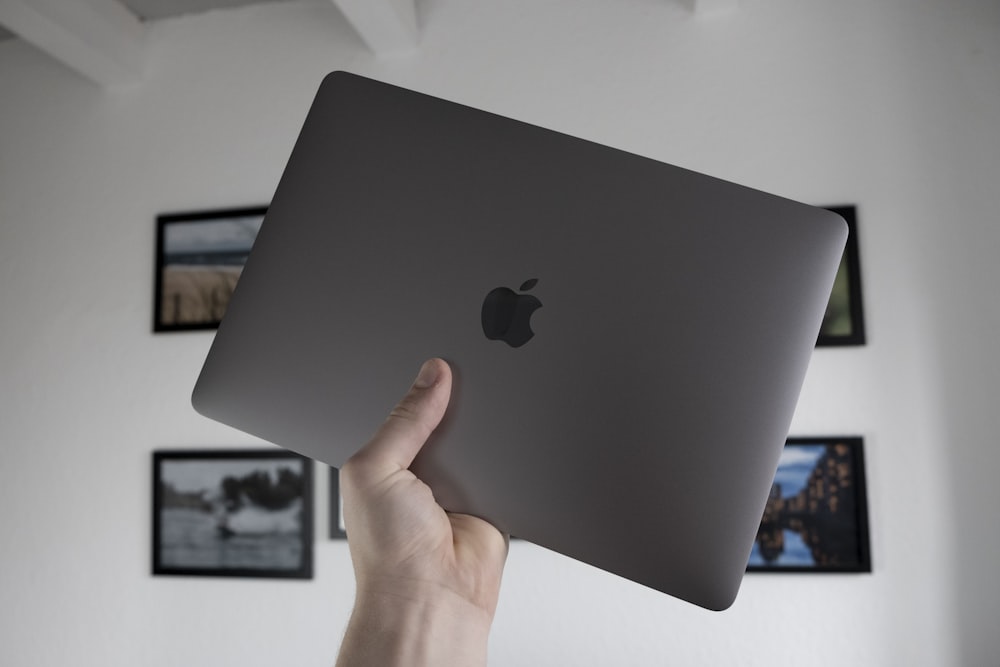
337,529
816,518
237,513
199,258
844,322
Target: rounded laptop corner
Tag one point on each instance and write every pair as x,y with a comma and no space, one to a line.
199,399
721,602
336,78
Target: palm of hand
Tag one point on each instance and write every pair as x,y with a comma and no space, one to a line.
410,542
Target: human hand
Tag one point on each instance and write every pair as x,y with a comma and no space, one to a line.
427,580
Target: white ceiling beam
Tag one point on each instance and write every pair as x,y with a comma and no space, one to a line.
388,27
100,39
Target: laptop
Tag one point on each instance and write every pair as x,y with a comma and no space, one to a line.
629,338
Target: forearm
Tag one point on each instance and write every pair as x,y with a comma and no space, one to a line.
389,629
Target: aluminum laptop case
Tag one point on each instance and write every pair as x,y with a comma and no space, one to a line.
638,430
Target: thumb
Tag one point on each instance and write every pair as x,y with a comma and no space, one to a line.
398,441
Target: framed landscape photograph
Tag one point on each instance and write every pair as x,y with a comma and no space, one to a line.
199,258
236,513
843,322
337,530
816,518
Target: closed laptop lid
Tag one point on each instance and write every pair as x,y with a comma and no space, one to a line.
629,338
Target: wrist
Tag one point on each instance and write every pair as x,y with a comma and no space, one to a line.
413,624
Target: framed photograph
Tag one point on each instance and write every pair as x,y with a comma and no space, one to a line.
816,518
199,258
236,513
337,530
844,322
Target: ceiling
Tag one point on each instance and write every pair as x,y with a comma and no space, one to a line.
151,10
103,39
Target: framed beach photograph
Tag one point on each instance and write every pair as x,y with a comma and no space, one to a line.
236,513
844,322
337,530
199,258
816,518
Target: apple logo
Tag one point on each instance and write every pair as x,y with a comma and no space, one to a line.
507,314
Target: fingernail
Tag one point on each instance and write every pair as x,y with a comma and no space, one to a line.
427,376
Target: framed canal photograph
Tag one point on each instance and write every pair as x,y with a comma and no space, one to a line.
237,513
337,530
843,322
199,258
816,518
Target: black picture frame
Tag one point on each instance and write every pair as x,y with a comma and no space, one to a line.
337,531
232,513
816,518
844,321
199,258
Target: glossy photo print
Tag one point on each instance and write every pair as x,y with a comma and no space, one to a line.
244,513
816,518
199,258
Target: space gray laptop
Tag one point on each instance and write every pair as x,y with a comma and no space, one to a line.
629,338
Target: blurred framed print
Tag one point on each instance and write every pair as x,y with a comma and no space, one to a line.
816,517
843,322
238,513
199,258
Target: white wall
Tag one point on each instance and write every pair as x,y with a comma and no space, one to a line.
892,105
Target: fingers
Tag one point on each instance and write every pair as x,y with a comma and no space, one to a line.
411,422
